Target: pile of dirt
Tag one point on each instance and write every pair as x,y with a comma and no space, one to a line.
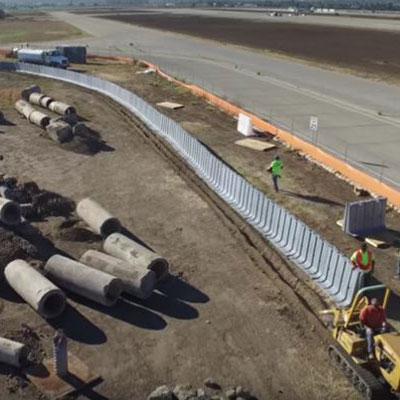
13,246
31,340
211,391
43,203
16,380
46,204
74,230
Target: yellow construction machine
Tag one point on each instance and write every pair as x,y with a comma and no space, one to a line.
375,379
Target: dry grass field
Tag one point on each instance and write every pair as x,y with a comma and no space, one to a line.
38,27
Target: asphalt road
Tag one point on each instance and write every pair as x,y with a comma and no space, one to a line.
359,119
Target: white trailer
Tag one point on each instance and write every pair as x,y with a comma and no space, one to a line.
52,58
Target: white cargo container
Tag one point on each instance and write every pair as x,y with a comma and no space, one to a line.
52,58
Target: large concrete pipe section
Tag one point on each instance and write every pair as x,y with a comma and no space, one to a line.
10,212
138,282
41,294
61,108
24,108
29,90
13,353
99,219
39,119
45,101
35,98
59,131
139,256
88,282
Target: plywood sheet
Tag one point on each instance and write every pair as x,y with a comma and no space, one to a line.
255,144
170,105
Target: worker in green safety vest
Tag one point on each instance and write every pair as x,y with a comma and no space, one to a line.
276,170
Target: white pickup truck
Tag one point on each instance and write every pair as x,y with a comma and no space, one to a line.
51,58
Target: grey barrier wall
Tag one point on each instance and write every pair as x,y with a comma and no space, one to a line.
362,218
320,260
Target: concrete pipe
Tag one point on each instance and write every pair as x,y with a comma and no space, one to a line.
24,108
61,108
59,131
99,219
39,119
29,90
35,98
10,212
139,256
13,353
138,282
45,101
88,282
41,294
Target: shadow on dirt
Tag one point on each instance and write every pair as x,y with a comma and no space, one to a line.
87,143
313,199
135,238
176,288
168,306
5,122
77,327
126,311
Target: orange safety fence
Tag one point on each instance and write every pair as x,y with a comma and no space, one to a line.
356,176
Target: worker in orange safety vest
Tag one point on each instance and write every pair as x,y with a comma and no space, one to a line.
365,261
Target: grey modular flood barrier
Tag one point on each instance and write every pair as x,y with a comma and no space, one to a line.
321,261
365,217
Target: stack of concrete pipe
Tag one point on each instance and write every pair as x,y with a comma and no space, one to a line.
34,95
138,282
58,131
41,294
138,267
35,117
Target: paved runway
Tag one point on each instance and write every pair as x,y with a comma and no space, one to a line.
359,119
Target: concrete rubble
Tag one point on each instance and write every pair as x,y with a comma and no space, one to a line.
187,392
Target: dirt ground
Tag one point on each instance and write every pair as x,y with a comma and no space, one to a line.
310,192
21,28
364,51
224,313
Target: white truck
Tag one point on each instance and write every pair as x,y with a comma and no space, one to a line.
52,58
